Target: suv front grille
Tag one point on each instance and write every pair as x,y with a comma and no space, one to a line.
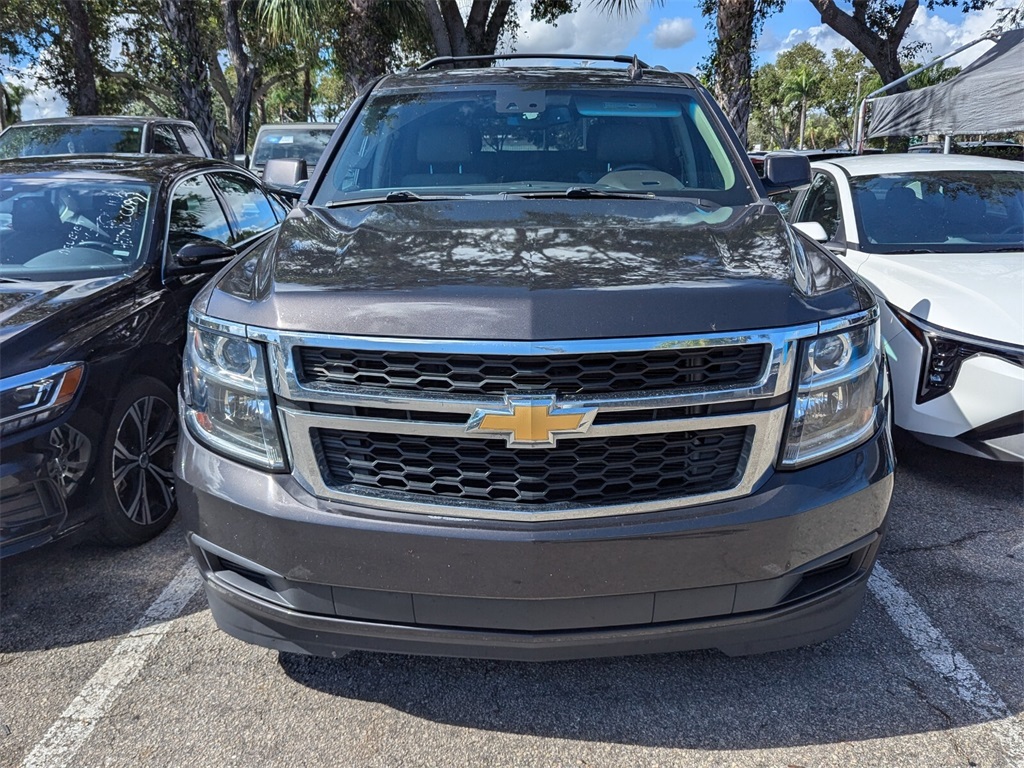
568,374
611,470
457,427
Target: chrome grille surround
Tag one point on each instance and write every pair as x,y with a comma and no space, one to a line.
298,420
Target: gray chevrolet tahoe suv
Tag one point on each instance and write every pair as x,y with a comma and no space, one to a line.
534,370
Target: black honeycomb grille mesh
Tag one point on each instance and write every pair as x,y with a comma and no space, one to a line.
589,373
597,471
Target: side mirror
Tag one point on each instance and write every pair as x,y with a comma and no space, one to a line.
285,176
784,171
242,161
813,230
196,257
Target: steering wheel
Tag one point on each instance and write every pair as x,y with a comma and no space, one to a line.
96,245
1013,229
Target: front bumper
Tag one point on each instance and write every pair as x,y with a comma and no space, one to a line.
32,508
783,567
982,415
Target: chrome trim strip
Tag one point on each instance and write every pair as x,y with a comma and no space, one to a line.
776,378
216,325
849,321
298,422
762,447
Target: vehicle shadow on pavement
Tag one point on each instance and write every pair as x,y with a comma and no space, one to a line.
863,685
69,593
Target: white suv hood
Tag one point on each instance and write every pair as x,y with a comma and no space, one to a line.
979,294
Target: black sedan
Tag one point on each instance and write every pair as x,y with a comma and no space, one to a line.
99,260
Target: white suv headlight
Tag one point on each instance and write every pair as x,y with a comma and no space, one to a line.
227,400
839,389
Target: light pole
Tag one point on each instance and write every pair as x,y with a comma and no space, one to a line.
856,101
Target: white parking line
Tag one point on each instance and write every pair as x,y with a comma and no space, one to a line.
67,735
954,668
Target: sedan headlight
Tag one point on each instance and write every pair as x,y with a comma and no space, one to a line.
37,396
946,350
839,388
227,400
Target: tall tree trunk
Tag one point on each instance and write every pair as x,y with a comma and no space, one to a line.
735,27
189,59
307,94
84,99
882,51
245,78
362,49
477,35
803,120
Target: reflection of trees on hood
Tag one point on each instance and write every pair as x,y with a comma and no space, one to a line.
575,246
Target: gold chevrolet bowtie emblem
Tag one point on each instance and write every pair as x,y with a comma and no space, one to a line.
531,421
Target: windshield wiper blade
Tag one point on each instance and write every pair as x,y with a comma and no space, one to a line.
5,279
585,193
397,196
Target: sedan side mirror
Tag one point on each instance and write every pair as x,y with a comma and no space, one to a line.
196,257
285,176
783,171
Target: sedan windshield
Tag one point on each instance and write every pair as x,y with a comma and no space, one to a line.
944,212
63,229
518,140
32,140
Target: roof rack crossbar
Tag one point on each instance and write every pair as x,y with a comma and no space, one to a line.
442,60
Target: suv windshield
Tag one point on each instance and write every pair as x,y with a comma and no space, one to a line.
31,140
305,143
521,140
947,211
62,229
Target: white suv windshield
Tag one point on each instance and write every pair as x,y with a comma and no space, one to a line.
509,139
942,211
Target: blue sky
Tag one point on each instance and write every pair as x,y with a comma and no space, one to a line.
675,35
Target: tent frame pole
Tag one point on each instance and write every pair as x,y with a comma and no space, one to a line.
862,113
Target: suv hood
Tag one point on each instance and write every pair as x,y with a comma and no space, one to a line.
530,269
974,293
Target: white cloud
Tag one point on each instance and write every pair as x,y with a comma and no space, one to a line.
585,31
673,33
940,35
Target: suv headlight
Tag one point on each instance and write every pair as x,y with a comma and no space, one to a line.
37,396
839,388
227,400
946,350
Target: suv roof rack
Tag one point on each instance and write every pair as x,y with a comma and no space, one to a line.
621,59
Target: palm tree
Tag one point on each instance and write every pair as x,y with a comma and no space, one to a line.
801,85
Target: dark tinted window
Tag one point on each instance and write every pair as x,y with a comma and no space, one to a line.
529,139
190,138
196,215
250,209
822,205
164,141
31,140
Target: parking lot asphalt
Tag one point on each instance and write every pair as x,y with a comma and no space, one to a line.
111,658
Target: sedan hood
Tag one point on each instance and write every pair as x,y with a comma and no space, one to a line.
974,293
29,313
533,269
